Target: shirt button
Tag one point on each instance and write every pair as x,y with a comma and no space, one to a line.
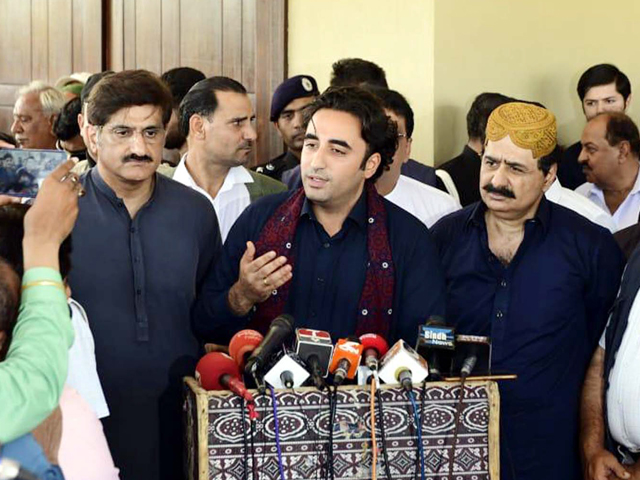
320,279
138,292
133,229
499,314
365,311
503,283
326,245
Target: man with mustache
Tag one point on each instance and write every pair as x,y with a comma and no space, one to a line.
610,160
601,88
141,247
287,105
538,279
216,117
34,114
334,254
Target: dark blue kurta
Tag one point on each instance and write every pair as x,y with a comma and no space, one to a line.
329,273
544,313
137,280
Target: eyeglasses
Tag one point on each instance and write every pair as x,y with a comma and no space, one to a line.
150,135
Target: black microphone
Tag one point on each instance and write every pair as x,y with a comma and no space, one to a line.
12,470
279,330
473,355
315,348
436,344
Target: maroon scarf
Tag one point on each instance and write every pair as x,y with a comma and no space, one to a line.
376,300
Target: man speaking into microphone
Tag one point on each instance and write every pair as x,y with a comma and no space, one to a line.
538,279
334,254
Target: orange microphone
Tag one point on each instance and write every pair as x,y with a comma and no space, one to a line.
346,358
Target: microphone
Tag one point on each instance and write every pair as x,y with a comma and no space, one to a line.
314,347
218,371
436,343
403,365
242,344
473,354
279,330
287,372
374,348
12,470
345,360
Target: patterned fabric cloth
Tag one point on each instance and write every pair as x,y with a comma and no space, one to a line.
304,426
374,311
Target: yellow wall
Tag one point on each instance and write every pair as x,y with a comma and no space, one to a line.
529,49
441,53
397,35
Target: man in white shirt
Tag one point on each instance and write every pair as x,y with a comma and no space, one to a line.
610,433
576,202
216,116
609,159
424,202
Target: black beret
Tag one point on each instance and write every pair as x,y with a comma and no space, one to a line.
292,88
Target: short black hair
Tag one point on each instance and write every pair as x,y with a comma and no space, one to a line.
553,158
180,80
357,72
378,131
604,74
66,124
397,103
620,128
126,89
201,99
11,233
479,112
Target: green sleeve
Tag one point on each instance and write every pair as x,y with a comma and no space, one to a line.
34,372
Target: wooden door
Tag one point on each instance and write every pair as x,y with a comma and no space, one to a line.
44,40
241,39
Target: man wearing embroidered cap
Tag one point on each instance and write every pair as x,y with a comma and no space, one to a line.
538,279
289,100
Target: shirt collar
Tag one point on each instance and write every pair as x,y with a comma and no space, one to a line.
467,151
597,191
236,175
358,213
542,216
108,192
554,192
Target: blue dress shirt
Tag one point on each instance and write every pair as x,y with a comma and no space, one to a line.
544,312
329,273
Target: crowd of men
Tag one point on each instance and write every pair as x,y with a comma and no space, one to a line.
167,241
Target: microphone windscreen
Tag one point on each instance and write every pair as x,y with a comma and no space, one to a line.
242,343
212,367
372,340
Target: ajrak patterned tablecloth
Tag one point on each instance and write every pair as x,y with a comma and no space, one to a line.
217,434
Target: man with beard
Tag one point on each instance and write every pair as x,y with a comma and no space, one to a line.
179,80
141,246
217,119
538,279
287,105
